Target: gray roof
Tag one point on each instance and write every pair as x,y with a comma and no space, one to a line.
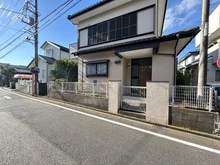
49,60
18,68
61,47
191,53
24,70
92,7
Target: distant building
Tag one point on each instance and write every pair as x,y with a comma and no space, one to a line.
52,52
190,62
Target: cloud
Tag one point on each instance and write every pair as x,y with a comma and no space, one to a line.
179,13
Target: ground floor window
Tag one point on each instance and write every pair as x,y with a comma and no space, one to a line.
97,69
217,75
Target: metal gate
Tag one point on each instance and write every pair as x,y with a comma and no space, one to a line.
134,98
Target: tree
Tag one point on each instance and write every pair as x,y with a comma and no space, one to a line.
183,79
65,69
8,71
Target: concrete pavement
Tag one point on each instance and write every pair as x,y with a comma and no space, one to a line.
37,132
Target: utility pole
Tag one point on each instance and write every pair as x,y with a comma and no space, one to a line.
202,77
33,22
36,44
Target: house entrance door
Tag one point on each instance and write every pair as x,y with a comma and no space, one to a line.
144,75
141,71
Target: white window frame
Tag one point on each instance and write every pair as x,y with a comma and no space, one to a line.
43,73
49,52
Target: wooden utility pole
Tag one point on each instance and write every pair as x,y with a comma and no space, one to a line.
202,77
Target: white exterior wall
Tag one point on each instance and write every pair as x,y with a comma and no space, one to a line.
56,52
212,65
146,24
211,73
121,10
146,21
214,20
182,64
83,38
197,57
72,49
43,66
163,68
48,72
65,54
190,60
167,47
115,71
127,72
214,24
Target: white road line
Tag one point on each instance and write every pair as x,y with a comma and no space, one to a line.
7,97
128,126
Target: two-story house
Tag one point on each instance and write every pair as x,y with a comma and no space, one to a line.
190,62
122,40
52,52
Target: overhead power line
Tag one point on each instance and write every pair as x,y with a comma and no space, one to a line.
13,20
44,25
51,21
18,45
10,28
27,30
16,12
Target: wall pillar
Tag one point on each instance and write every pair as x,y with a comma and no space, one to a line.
114,99
157,105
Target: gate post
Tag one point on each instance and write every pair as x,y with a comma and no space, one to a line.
157,105
114,98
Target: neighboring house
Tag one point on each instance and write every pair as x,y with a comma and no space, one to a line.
19,69
190,62
73,50
52,52
122,40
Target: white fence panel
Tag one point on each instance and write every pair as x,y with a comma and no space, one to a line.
186,96
134,98
94,89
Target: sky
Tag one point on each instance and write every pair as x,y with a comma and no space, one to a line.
180,15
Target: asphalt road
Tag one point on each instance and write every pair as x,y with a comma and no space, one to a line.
35,131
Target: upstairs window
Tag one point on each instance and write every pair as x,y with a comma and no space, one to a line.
98,33
124,26
49,52
114,29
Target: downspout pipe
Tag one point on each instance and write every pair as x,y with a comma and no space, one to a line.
175,61
82,65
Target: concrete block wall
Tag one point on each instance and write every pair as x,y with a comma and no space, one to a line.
95,102
193,119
